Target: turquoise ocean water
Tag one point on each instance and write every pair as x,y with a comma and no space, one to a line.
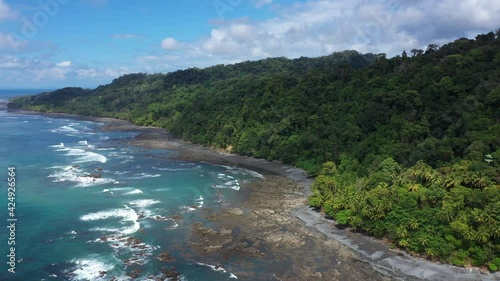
82,194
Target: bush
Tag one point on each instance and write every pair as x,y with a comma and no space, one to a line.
459,258
342,217
494,265
478,255
315,201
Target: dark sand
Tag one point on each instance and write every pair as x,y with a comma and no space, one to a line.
274,226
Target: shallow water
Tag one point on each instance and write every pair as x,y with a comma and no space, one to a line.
82,195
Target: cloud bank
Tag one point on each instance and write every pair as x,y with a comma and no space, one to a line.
308,28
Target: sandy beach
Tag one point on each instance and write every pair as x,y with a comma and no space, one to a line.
274,225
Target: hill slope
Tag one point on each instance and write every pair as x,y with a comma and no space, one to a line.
411,144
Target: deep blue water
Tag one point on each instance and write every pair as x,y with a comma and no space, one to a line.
81,193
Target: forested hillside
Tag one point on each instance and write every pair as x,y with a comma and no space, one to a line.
406,148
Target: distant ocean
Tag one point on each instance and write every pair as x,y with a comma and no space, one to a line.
82,195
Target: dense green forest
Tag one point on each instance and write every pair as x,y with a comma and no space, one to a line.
406,148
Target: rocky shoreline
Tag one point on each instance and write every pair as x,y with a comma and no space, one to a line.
274,227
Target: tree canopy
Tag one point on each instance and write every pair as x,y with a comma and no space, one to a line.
406,148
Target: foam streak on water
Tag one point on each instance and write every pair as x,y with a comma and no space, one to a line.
96,204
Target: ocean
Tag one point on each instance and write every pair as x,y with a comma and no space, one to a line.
90,207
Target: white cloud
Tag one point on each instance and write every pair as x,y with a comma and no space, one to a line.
169,43
306,28
156,59
87,73
15,70
6,12
64,64
49,74
10,62
115,73
9,43
314,28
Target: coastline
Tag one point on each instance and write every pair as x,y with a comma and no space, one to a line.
277,216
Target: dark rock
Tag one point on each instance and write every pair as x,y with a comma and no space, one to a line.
165,257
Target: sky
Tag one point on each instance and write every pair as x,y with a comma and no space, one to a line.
87,43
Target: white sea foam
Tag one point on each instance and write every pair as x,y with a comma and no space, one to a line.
127,214
121,155
234,187
56,167
226,167
65,130
69,130
105,229
85,144
72,174
191,167
231,183
133,192
174,226
213,267
239,171
188,208
90,269
144,203
61,145
118,242
131,230
199,202
121,188
105,148
163,189
243,171
86,156
254,173
218,269
144,176
170,169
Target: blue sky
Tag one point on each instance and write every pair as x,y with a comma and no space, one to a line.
57,43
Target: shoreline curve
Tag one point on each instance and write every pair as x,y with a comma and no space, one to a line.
394,264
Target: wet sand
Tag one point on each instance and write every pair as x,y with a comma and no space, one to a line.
273,226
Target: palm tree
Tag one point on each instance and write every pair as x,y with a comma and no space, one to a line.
414,187
430,252
479,215
477,181
423,241
403,243
413,224
451,181
494,229
401,232
482,235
